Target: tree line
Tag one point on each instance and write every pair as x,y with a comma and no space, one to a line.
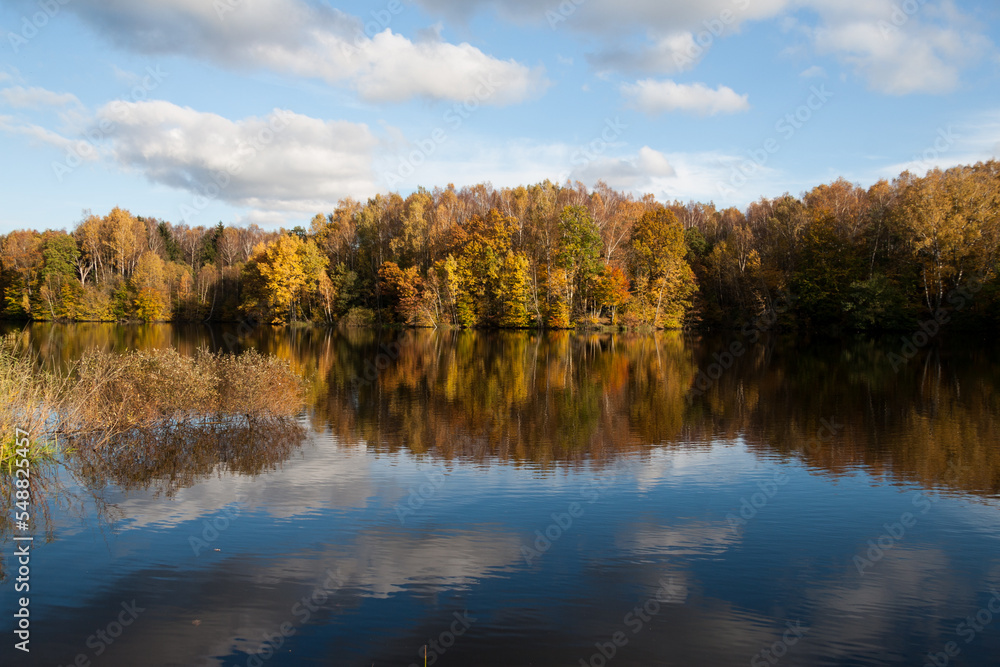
543,255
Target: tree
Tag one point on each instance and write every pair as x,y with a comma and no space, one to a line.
578,254
611,292
125,236
484,244
404,288
829,265
663,279
92,257
59,259
275,276
21,258
513,292
228,243
149,283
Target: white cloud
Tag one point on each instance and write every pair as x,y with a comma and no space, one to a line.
670,54
19,97
397,69
619,16
628,173
39,134
968,141
653,97
896,52
899,52
812,72
285,161
669,175
292,37
675,35
917,59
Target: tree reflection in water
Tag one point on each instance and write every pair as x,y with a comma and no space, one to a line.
571,397
172,458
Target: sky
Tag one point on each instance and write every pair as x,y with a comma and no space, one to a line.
270,111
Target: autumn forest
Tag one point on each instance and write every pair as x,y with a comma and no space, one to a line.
548,256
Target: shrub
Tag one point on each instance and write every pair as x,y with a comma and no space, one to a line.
358,317
117,392
28,398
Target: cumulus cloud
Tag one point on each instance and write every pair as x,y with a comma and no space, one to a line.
19,97
293,37
654,97
670,54
669,175
628,173
896,50
674,36
284,161
915,58
616,16
396,69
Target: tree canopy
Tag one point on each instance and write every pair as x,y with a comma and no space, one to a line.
542,255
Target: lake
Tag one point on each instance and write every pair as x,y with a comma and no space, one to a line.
538,499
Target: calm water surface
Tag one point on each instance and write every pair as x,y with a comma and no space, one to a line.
524,499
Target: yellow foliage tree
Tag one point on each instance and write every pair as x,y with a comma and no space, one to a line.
149,282
275,277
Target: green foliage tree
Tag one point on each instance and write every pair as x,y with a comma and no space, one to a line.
545,255
664,279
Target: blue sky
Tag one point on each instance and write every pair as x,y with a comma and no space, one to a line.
270,111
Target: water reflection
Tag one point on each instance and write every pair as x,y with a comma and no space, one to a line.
175,457
431,463
560,396
317,544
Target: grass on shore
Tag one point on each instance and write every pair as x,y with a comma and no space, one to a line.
114,393
28,397
107,394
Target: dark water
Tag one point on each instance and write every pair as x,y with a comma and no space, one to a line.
522,499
